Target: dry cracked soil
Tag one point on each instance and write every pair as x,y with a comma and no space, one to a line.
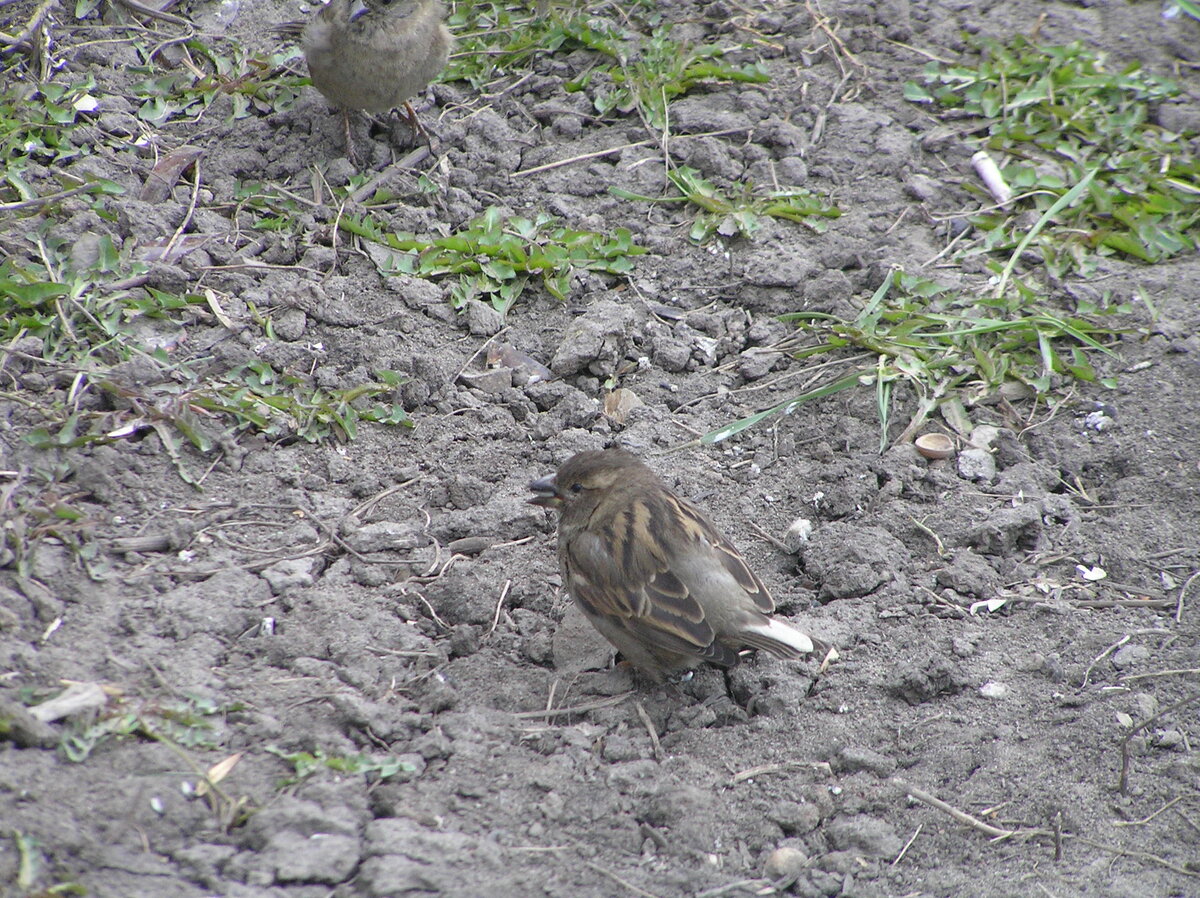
372,635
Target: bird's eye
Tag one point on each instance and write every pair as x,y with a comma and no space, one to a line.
577,487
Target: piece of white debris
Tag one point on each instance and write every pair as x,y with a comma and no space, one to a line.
798,534
988,605
989,172
992,689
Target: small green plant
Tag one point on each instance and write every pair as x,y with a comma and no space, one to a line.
31,864
65,298
494,256
1191,7
38,123
492,41
254,84
307,763
1059,113
62,299
655,71
632,72
278,404
184,724
253,397
274,210
728,217
37,505
951,349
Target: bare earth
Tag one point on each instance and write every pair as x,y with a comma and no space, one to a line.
395,597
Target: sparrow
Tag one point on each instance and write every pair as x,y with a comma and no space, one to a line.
652,573
374,55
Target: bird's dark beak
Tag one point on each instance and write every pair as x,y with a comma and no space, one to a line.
545,493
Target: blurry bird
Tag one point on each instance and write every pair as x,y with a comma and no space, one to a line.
652,573
374,55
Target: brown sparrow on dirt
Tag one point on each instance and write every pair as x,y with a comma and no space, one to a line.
374,55
652,573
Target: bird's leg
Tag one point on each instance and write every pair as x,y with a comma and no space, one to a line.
417,128
350,154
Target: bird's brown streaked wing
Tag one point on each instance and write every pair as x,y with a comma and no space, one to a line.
642,594
699,527
291,30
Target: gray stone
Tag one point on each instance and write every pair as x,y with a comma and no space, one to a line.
864,834
921,680
493,380
595,342
383,536
794,817
976,464
577,646
1007,528
970,574
853,758
290,325
381,877
850,560
482,319
1130,655
785,862
757,363
671,354
289,574
404,857
319,857
778,268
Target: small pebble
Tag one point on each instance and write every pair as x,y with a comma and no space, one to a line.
785,863
992,689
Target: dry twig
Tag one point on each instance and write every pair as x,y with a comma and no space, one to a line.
752,772
999,834
649,724
576,709
1123,780
623,882
1182,592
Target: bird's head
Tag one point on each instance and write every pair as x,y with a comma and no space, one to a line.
584,477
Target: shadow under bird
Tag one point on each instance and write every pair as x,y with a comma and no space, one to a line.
374,55
652,573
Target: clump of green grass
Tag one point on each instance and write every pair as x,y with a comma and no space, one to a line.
632,72
307,763
1191,7
1056,114
38,505
38,121
656,72
62,299
951,349
86,324
738,215
492,41
205,408
178,725
494,257
39,124
32,868
281,405
185,723
255,84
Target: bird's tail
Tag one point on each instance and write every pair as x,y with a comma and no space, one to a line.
781,640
